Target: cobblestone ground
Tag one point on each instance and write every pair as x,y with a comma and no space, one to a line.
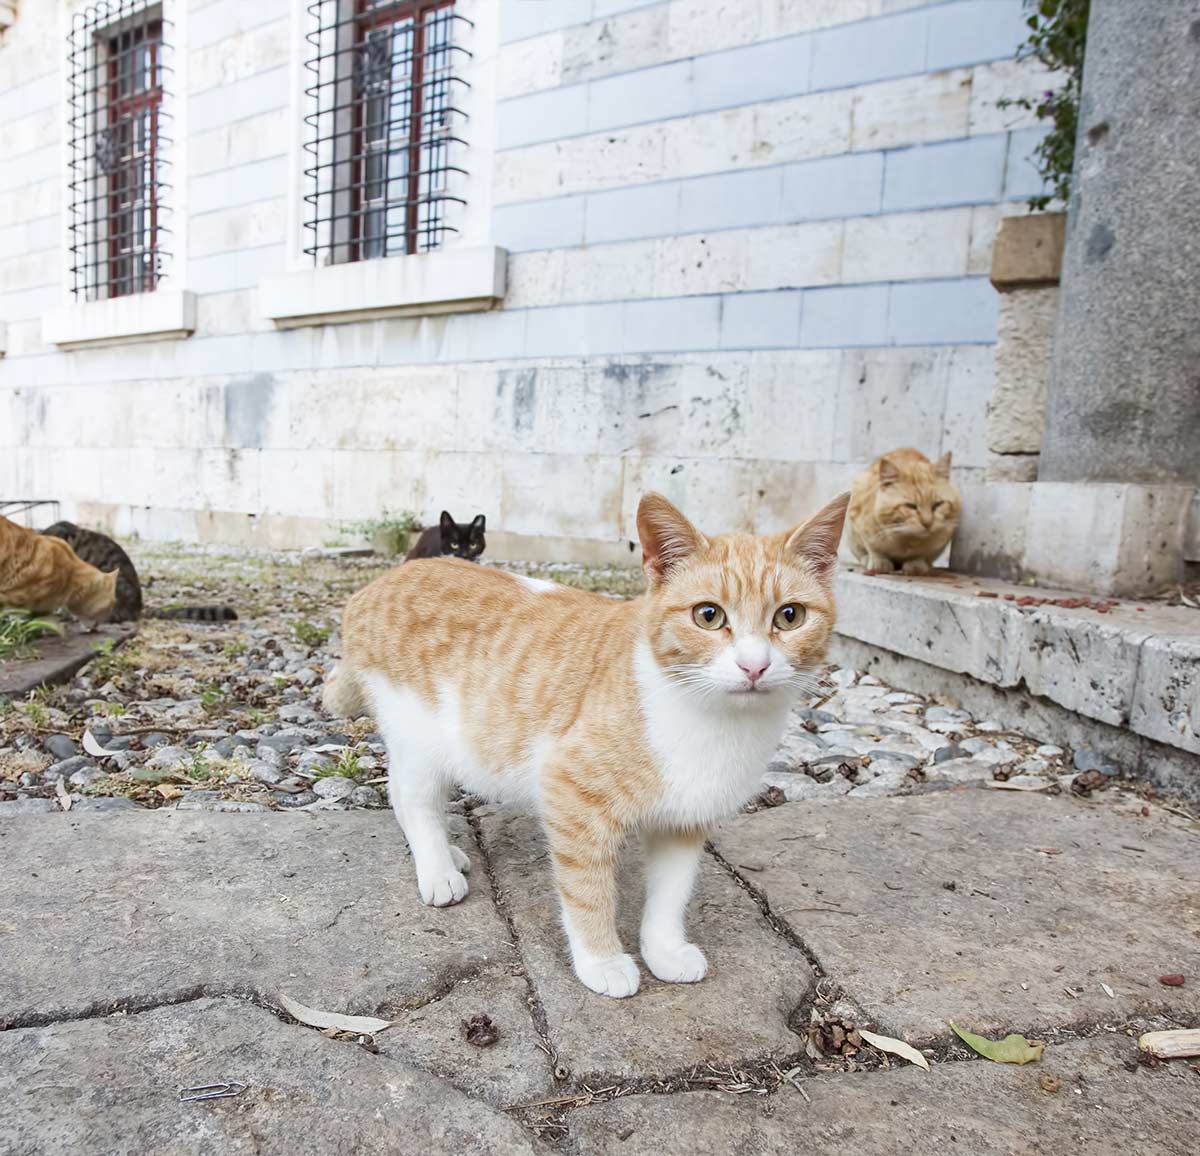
227,716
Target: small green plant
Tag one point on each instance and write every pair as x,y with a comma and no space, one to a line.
1057,39
348,764
389,534
109,662
212,698
20,629
37,713
197,765
310,634
234,648
115,709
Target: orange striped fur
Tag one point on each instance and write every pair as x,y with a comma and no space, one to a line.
44,574
610,719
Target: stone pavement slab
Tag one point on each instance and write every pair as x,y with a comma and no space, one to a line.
983,908
57,659
741,1010
110,1085
974,1108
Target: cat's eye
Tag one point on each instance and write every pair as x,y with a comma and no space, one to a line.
939,505
708,616
789,617
910,505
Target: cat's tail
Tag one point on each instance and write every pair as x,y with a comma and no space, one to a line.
197,613
342,696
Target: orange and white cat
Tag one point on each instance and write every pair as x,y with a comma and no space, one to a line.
44,574
903,512
652,717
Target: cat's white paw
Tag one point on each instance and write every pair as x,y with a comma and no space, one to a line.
442,889
916,566
461,860
612,975
681,963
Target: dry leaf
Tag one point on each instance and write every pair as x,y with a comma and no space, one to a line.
315,1018
1108,991
1176,1044
64,796
1013,1049
896,1047
169,790
1021,784
92,745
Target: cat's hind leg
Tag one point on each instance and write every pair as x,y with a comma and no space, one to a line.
418,783
672,863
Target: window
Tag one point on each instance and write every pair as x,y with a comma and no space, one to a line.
384,139
116,74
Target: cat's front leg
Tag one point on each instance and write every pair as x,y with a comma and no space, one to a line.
880,563
584,852
672,863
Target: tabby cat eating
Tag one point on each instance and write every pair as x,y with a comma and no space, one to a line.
101,551
44,574
903,512
652,717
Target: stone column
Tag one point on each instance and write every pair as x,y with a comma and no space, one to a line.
1121,451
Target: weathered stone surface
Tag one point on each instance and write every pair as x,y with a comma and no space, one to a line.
978,1108
917,955
1028,250
755,979
111,1086
1024,358
57,659
131,909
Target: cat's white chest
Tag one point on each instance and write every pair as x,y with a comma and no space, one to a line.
711,753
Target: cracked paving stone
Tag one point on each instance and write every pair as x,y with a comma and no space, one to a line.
741,1009
976,1108
111,1085
134,909
1049,893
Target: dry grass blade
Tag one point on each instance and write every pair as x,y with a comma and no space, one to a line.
1177,1044
315,1018
64,796
896,1047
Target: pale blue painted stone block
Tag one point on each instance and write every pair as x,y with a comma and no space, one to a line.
869,50
974,31
844,316
522,18
240,185
542,116
554,224
575,330
626,214
767,71
846,186
761,320
957,312
645,95
962,172
1021,177
676,324
262,92
731,200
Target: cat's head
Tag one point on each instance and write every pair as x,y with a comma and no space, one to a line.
463,541
914,496
739,616
95,596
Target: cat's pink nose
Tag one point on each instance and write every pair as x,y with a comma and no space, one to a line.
754,670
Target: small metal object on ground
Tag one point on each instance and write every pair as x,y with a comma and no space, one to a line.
212,1091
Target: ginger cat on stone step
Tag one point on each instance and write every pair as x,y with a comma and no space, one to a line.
903,512
43,574
653,717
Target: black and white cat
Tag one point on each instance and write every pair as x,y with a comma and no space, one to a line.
456,539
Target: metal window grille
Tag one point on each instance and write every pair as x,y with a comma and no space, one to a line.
384,127
117,72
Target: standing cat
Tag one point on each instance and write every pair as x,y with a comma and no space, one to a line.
101,551
654,716
44,574
451,537
903,512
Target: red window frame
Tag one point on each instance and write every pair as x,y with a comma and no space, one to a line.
368,17
134,268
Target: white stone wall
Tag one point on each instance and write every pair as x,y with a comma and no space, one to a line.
749,243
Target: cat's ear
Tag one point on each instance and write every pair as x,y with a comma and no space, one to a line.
887,470
479,522
943,465
816,541
667,537
446,522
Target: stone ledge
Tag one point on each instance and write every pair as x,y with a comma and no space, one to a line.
1136,667
1028,251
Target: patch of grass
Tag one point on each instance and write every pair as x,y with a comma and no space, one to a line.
110,662
37,714
389,533
19,630
234,648
212,698
114,709
311,634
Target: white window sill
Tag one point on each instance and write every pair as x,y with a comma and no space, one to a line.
447,281
139,317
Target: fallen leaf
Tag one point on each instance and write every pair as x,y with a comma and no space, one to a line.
1108,991
481,1031
169,790
896,1047
64,796
1049,1083
92,745
1013,1049
1172,1045
1175,980
315,1018
1020,784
